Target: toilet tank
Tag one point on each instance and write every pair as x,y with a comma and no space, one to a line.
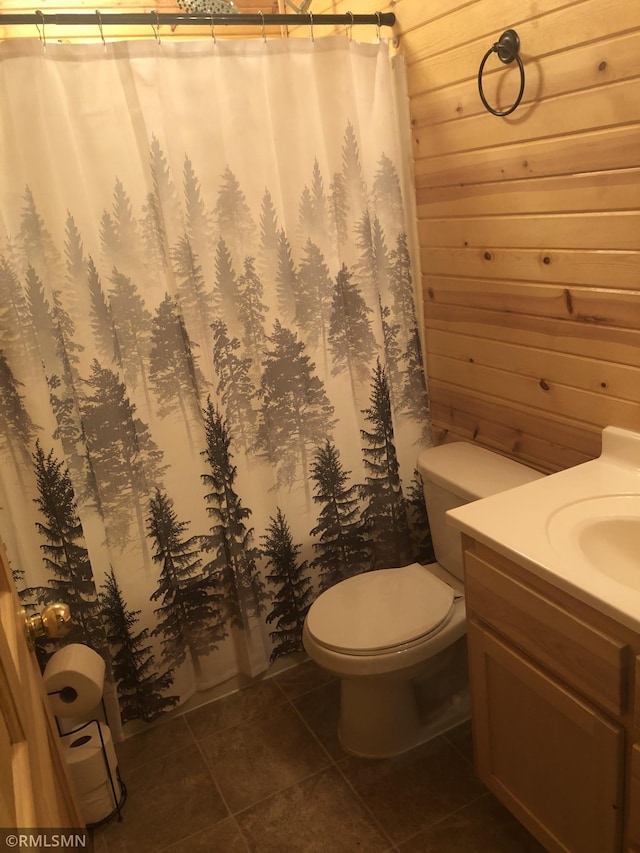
458,473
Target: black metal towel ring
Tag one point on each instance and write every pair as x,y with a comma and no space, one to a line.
507,48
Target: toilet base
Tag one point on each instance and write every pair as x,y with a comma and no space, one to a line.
375,737
385,716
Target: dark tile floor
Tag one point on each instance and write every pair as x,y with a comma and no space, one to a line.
262,770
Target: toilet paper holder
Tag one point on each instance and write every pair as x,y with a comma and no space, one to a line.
120,799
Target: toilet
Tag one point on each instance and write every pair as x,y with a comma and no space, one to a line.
396,637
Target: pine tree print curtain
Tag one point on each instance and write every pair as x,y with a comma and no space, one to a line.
212,394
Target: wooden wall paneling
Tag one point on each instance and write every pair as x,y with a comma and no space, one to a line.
535,437
534,391
548,366
617,269
548,45
602,229
577,112
605,62
586,192
461,392
603,149
514,362
566,337
430,29
587,305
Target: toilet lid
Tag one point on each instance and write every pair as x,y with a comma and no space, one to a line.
380,609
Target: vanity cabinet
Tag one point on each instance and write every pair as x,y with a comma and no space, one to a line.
552,685
634,798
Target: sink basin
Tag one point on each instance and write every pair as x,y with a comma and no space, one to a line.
602,531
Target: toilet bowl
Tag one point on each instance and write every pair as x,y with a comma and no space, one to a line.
396,637
379,708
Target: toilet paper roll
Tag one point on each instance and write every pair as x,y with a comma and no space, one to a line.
97,804
89,772
75,678
85,758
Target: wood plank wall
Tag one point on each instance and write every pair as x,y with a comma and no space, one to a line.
529,225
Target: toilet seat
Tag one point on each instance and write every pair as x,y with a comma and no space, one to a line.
381,611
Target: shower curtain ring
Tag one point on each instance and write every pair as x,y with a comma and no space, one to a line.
41,35
350,25
264,32
213,32
378,26
157,26
311,25
99,16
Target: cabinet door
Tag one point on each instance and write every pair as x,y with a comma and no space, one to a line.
633,824
552,759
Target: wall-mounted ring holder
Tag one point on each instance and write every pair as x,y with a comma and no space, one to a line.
507,48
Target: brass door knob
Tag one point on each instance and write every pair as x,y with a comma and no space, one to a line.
55,621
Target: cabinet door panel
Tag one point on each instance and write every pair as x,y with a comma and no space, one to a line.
552,759
633,827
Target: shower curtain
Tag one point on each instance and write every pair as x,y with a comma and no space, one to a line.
211,384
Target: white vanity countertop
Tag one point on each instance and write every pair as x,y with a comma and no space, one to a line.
517,524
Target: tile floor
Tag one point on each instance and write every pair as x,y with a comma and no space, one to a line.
262,770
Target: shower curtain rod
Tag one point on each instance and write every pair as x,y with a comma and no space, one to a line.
155,19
